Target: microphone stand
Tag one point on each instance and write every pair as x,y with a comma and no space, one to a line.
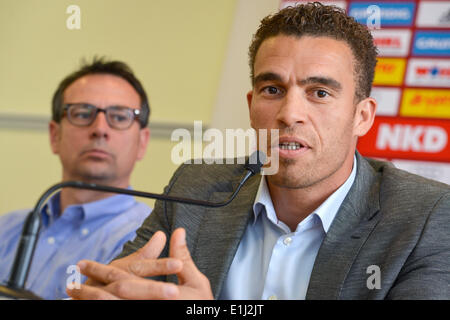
15,288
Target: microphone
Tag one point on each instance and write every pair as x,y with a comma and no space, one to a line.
15,288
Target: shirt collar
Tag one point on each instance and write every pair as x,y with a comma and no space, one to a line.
326,211
50,211
264,201
113,205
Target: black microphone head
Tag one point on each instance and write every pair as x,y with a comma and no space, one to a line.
255,161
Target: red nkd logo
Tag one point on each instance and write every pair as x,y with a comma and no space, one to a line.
400,137
406,138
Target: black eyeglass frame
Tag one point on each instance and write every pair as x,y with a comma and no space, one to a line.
136,114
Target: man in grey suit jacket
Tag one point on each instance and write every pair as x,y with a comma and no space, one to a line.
386,238
391,219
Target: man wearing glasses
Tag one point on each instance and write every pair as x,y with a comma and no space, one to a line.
99,130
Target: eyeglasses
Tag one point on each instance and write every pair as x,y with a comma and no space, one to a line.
84,114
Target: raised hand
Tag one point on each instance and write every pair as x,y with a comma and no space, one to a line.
124,278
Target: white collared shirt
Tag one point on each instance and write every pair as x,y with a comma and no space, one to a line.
271,261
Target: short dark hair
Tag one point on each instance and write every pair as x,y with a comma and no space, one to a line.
101,66
316,19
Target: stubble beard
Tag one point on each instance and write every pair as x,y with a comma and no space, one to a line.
293,175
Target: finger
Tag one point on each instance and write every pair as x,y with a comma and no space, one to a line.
155,267
86,292
142,289
193,283
102,273
151,250
179,250
193,293
93,283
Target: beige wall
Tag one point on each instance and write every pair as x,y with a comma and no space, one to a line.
176,48
234,79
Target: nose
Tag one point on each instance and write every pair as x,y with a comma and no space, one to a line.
293,109
100,127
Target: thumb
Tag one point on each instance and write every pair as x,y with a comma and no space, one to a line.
179,250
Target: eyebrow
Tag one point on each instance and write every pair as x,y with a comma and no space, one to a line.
266,76
271,76
329,82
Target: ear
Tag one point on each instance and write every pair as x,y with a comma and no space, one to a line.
249,98
249,103
144,137
54,130
364,116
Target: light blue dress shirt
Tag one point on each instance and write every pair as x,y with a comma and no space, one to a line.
271,261
95,231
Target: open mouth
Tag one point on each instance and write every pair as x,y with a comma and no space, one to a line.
290,146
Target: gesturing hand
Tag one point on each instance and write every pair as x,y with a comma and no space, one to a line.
124,278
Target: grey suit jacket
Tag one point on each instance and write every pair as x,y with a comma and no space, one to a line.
391,221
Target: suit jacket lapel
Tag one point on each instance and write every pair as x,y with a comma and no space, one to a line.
349,230
221,231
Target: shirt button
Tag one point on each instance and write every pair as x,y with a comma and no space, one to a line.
273,297
84,231
51,240
287,241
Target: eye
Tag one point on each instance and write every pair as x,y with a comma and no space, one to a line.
119,118
271,90
119,114
322,93
81,113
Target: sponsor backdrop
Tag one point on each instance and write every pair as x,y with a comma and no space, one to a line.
411,84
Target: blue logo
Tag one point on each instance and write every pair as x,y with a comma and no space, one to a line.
392,14
431,43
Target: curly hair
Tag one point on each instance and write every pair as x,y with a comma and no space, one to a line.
101,66
318,20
